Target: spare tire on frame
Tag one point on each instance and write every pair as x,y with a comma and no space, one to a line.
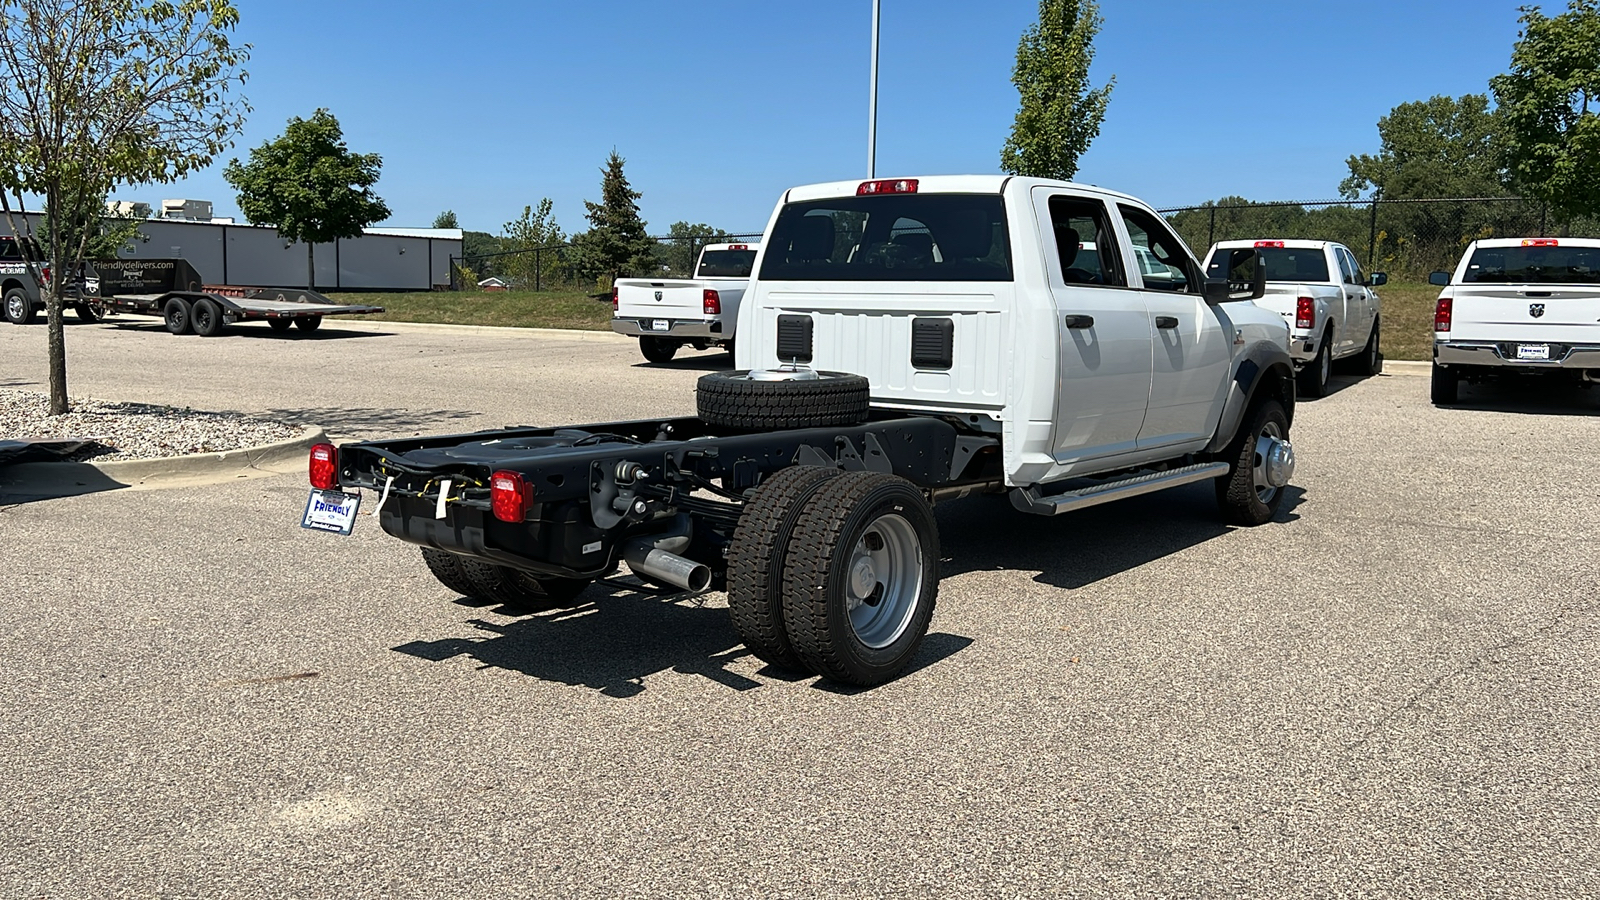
760,400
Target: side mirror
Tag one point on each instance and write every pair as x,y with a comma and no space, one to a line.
1246,279
1378,279
1442,279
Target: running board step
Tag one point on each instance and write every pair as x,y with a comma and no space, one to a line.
1029,500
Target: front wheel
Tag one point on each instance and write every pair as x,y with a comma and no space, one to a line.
658,350
19,310
860,578
1446,385
1262,461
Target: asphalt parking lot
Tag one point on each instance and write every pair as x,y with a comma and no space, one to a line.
1393,690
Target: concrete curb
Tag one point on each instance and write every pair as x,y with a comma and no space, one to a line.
1407,367
502,330
67,479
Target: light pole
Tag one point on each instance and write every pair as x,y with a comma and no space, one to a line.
872,98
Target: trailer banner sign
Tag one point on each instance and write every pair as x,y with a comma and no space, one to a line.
331,511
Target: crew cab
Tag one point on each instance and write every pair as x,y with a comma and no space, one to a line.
1518,306
903,343
1318,287
666,314
20,297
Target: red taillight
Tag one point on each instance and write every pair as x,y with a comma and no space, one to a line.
613,299
1277,244
711,301
509,496
897,186
1305,313
1541,242
1442,312
324,467
44,273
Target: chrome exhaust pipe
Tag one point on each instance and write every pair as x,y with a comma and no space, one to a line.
644,558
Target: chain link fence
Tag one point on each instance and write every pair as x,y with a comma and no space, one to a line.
547,268
1405,238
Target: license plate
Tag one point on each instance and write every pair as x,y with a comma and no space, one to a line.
660,325
331,511
1533,351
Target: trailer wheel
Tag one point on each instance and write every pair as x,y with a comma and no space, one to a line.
176,315
755,561
861,577
761,400
206,318
447,568
280,325
658,350
308,323
19,310
504,584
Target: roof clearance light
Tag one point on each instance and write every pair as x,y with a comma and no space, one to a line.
897,186
738,246
1541,242
1277,244
509,496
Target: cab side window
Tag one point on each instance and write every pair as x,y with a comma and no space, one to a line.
1086,247
1346,265
1163,263
1357,276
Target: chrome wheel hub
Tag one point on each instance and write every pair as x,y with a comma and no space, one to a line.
1274,462
783,373
884,581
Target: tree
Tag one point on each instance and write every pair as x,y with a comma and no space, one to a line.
535,230
480,247
1060,115
446,219
1550,101
684,244
616,243
85,223
1439,147
309,185
97,93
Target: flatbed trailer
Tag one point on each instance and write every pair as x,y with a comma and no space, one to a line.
171,289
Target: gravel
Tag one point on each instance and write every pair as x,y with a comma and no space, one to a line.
135,430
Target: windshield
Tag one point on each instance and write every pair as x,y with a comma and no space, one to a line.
1282,263
727,263
1534,265
907,237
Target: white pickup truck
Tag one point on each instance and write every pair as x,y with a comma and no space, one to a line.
666,314
1319,288
1518,306
904,342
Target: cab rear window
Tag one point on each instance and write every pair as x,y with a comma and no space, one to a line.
914,237
1282,264
727,263
1534,265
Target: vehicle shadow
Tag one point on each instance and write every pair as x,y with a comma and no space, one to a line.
702,362
619,635
1527,396
257,330
983,534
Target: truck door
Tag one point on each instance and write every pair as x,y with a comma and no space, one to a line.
1189,368
1102,328
1358,305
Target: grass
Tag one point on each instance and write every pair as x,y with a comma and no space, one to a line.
516,309
1407,312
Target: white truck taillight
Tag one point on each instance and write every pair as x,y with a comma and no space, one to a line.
711,302
1305,313
1442,312
324,467
509,496
613,299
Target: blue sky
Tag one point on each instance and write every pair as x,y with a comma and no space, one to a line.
484,107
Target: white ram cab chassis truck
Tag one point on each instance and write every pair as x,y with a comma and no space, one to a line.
904,342
1518,306
665,314
1318,287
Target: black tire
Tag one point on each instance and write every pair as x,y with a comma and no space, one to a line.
205,317
823,560
86,313
308,323
734,400
658,350
756,557
175,314
1370,362
280,325
1237,492
504,584
447,568
1313,379
18,308
1446,386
